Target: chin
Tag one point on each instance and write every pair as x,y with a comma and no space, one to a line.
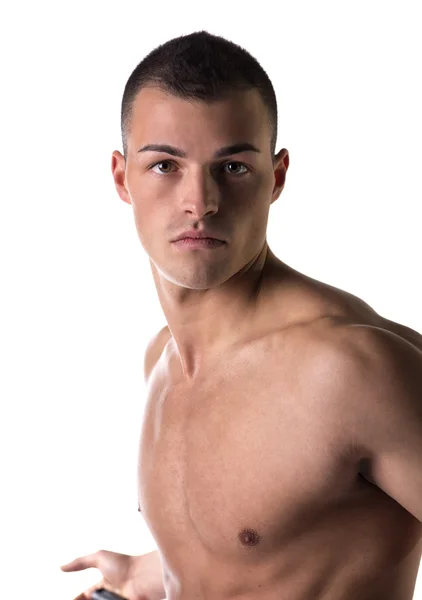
197,279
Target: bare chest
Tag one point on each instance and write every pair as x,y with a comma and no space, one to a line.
241,462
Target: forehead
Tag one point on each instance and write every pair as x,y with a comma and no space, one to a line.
159,117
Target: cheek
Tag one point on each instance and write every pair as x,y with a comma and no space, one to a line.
255,216
145,221
255,193
251,205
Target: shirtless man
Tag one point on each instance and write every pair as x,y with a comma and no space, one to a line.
281,445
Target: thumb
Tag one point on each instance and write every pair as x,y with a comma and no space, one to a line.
81,563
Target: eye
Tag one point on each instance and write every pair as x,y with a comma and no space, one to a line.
169,163
238,164
162,162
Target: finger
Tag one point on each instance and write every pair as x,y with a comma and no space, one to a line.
80,563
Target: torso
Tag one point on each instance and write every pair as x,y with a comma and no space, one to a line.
252,489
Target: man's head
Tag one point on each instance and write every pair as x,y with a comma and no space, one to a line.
199,93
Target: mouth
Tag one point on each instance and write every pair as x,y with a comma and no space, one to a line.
196,235
199,242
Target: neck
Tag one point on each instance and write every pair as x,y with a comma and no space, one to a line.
204,323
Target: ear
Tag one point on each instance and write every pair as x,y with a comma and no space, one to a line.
118,168
281,164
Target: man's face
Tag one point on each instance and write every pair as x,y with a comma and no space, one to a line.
228,195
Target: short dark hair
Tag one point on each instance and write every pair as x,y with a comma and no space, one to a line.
199,66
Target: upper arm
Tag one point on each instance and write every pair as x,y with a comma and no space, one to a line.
154,350
382,383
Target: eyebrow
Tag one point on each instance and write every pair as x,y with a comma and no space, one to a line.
225,151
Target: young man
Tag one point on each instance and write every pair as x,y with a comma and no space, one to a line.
281,446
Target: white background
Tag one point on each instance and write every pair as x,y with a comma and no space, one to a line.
78,303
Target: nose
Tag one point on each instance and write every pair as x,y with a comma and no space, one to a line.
199,194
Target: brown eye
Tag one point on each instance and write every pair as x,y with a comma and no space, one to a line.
163,162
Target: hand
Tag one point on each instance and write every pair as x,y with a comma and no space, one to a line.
133,577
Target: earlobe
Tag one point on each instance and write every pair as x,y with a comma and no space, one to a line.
118,169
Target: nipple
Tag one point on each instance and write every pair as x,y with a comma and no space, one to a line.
249,537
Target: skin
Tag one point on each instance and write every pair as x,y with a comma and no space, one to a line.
281,444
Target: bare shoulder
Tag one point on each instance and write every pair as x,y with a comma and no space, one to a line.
365,379
342,345
347,347
154,350
337,316
407,333
364,372
372,376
